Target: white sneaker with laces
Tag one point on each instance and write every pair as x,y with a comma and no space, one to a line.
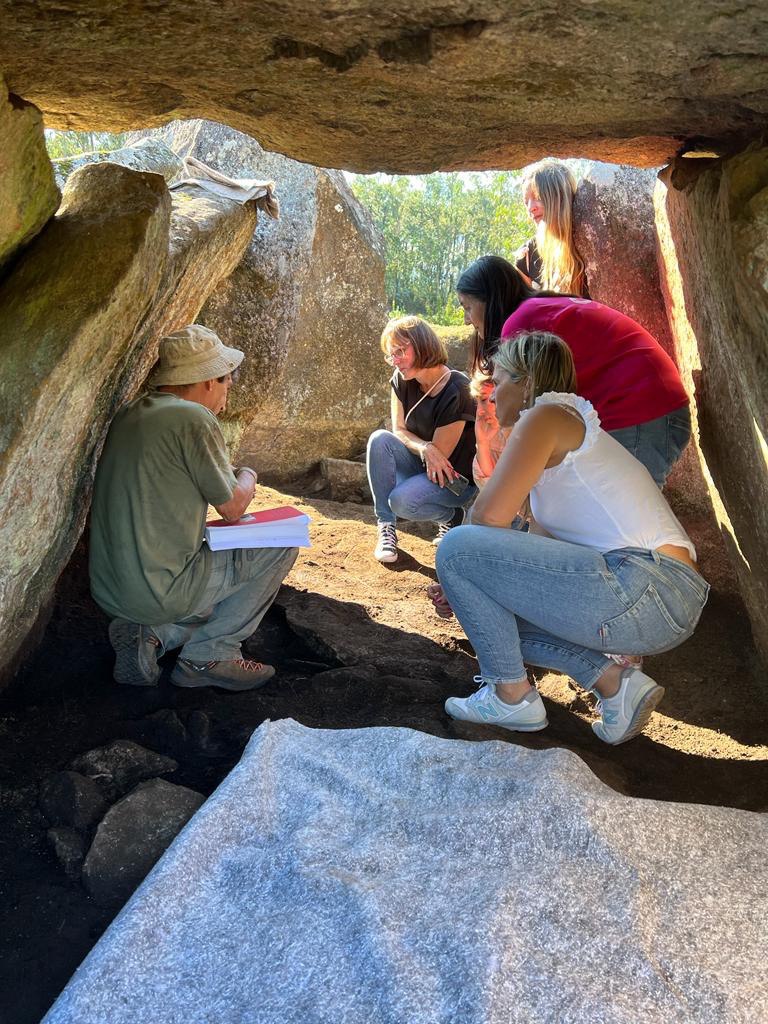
484,707
626,713
386,546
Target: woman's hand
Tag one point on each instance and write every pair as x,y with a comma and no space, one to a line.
486,424
440,601
438,468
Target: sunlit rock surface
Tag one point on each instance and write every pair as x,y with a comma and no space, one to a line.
713,225
28,192
413,86
615,233
307,304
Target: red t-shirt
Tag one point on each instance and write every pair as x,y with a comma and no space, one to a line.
620,367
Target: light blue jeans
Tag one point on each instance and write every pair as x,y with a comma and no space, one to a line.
659,443
524,598
401,488
242,585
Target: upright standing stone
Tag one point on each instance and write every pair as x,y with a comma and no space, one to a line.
712,218
307,303
615,233
28,192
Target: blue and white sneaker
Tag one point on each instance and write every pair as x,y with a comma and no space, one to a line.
485,708
626,714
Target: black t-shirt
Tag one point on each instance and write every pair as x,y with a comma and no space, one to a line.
528,260
453,403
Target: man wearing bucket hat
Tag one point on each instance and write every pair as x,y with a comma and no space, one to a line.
164,462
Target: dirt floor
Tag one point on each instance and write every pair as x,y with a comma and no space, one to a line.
356,644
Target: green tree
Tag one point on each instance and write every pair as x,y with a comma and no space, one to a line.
434,226
60,144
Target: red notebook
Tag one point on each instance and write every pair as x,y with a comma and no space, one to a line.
268,528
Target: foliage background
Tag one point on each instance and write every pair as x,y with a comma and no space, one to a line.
60,144
434,226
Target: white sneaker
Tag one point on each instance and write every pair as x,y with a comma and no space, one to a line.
386,546
626,713
484,707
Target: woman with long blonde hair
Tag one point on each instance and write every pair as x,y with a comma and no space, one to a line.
551,259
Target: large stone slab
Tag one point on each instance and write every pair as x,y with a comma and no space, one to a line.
28,192
132,836
713,223
383,875
615,233
307,303
416,87
81,313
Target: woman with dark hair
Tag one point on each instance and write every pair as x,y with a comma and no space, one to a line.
621,369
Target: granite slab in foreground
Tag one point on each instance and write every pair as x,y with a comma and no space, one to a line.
384,876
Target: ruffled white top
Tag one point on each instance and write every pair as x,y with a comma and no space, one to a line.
600,495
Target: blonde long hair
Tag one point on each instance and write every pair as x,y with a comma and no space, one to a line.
554,185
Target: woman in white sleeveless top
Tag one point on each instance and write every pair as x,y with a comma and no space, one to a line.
608,569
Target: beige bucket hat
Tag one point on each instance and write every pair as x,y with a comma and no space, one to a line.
191,355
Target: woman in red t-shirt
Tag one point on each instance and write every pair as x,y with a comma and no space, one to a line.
621,369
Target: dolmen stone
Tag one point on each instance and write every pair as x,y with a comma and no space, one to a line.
122,764
72,800
132,836
69,847
384,875
346,480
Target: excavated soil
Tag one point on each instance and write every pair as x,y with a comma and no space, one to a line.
356,645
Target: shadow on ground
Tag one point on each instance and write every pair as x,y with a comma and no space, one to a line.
352,651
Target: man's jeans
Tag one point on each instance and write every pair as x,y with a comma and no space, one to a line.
659,443
524,598
401,488
242,585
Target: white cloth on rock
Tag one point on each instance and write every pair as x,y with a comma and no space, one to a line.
384,876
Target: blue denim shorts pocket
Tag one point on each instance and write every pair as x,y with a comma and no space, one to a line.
645,628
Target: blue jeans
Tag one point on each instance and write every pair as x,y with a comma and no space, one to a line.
401,488
523,598
659,443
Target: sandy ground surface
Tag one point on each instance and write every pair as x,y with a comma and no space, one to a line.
356,644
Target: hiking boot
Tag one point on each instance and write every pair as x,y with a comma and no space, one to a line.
485,708
626,713
457,519
238,674
386,546
136,650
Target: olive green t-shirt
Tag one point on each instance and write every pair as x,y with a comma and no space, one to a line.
163,462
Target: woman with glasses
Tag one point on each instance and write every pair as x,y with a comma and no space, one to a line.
422,468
